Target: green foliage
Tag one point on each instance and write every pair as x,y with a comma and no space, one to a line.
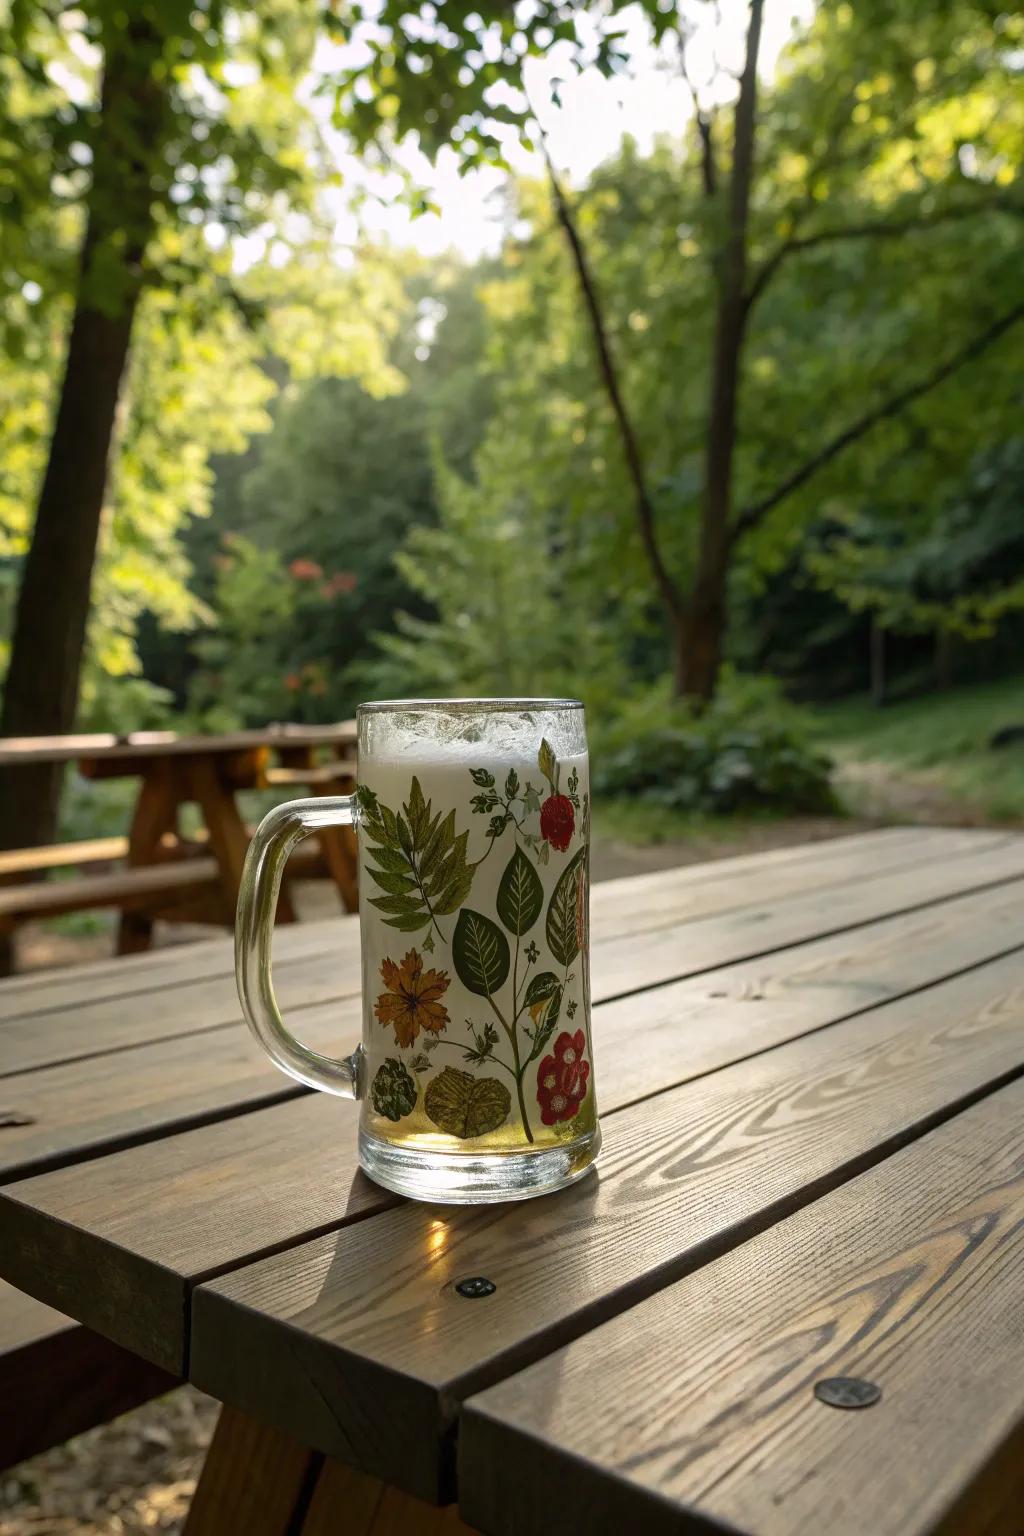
963,744
225,147
511,614
953,567
748,750
240,675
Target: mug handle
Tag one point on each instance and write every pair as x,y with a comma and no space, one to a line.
272,842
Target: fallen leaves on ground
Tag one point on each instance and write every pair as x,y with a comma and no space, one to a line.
133,1477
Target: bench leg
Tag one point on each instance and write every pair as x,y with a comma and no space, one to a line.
261,1481
156,812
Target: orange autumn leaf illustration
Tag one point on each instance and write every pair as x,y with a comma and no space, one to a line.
411,1002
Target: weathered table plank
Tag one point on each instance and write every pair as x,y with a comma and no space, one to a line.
187,1006
625,964
109,1021
119,1243
363,1326
687,1027
47,992
911,1276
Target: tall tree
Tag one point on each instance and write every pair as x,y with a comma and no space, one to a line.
832,159
145,146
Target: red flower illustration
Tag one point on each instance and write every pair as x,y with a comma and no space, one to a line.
562,1079
557,820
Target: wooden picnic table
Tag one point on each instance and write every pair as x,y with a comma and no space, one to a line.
810,1068
174,770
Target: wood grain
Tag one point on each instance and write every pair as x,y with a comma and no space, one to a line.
624,963
118,1243
51,992
362,1326
687,1028
911,1276
84,1109
136,1204
254,1480
191,1006
58,1379
638,903
350,1502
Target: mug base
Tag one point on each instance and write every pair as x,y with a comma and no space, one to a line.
476,1179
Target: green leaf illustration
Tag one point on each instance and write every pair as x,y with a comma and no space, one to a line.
542,987
466,1106
511,785
395,885
417,813
561,926
480,953
548,763
482,778
393,1090
520,894
417,860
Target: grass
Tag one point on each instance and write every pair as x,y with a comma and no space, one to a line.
637,821
940,742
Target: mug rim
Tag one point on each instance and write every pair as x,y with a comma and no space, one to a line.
464,706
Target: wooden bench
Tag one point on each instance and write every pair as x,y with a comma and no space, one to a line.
60,1378
185,888
34,861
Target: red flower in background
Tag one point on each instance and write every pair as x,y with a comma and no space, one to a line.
340,584
305,570
562,1079
557,821
293,682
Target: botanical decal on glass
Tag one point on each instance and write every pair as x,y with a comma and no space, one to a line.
411,1002
562,1079
418,862
393,1090
519,953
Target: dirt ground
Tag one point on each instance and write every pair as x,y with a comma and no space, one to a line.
137,1475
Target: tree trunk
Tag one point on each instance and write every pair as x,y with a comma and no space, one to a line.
41,688
944,651
878,679
702,631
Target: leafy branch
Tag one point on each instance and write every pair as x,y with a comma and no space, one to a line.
491,801
876,229
893,405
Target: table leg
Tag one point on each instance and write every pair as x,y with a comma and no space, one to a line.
337,844
156,812
339,850
229,839
254,1479
261,1481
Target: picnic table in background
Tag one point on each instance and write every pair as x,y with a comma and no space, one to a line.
168,875
811,1195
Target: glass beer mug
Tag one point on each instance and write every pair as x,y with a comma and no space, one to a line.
475,1070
